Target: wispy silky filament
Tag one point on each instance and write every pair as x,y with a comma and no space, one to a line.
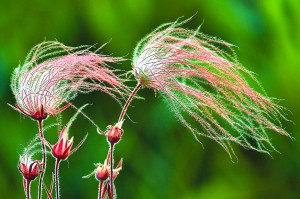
205,87
53,74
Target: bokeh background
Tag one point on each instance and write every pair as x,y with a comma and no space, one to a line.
161,158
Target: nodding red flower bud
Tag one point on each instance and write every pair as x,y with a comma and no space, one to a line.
115,133
62,149
102,171
29,169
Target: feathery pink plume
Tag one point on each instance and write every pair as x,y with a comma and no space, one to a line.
53,74
205,88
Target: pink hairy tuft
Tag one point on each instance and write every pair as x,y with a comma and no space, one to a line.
53,74
205,87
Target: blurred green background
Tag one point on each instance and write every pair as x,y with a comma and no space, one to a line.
161,158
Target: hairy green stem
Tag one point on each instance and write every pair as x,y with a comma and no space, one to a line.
28,196
40,122
111,148
56,178
100,189
123,112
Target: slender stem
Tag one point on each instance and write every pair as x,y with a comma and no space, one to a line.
28,196
100,189
123,112
111,169
40,122
56,177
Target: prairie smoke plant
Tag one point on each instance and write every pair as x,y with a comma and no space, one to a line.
198,76
105,177
205,87
29,167
107,190
53,74
62,149
113,135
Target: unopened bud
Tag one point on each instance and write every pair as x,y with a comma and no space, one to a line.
29,169
115,133
62,149
102,172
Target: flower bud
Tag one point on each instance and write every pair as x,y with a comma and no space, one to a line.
115,133
102,172
62,149
29,169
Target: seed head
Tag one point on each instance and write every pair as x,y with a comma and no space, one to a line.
53,74
205,87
